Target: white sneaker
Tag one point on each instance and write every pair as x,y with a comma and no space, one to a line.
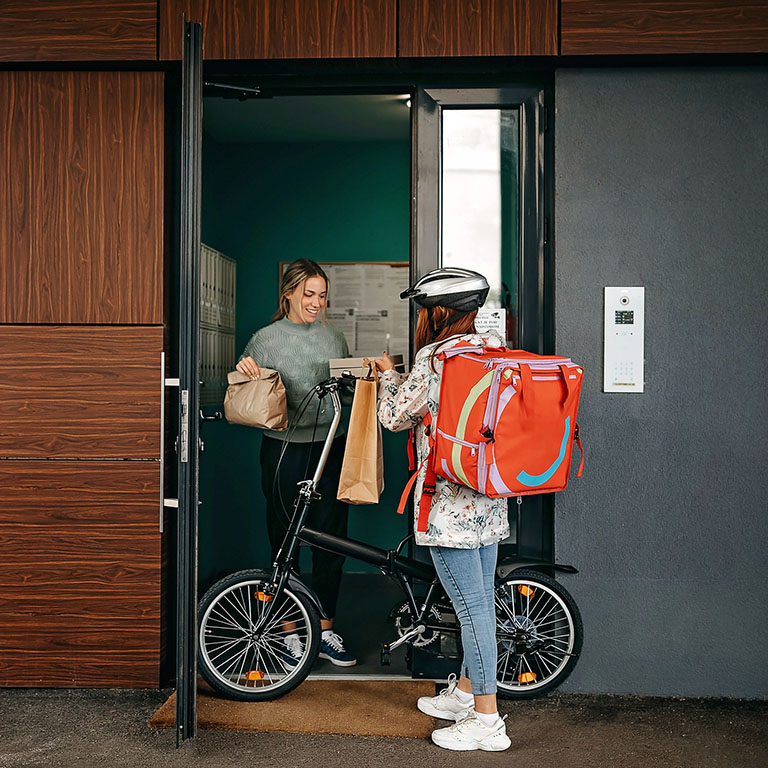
446,705
470,733
293,650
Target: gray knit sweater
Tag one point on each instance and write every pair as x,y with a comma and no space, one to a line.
299,352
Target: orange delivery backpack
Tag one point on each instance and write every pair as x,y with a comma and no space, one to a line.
505,426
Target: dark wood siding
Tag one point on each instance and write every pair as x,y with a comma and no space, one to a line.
478,27
283,29
80,573
81,197
80,392
663,26
78,30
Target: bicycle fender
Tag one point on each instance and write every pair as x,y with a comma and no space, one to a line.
299,586
511,564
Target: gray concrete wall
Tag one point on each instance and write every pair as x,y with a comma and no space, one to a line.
662,181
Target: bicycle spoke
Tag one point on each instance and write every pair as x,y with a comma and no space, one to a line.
232,662
224,619
242,663
260,663
232,600
220,652
216,644
223,608
544,663
509,613
240,600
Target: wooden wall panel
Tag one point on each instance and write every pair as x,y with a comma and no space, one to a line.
664,26
81,586
81,197
283,29
78,30
80,392
478,27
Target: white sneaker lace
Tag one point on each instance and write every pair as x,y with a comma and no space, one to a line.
451,686
335,641
294,645
472,720
468,719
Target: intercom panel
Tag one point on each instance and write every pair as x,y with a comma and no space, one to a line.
623,359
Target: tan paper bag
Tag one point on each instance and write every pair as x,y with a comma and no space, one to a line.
256,403
362,472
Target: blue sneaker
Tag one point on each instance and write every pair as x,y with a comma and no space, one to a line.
332,648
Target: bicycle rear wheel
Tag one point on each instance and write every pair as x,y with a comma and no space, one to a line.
539,634
246,661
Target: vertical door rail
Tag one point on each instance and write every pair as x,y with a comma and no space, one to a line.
535,520
189,383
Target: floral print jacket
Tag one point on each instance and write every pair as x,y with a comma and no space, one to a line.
459,516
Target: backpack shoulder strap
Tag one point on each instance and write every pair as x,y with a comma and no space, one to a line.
430,478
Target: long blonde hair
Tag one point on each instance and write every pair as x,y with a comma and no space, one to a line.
295,275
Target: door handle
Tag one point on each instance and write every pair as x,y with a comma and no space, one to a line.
216,416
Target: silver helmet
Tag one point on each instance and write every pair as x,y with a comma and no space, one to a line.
452,287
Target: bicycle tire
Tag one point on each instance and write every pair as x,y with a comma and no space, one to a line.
539,634
244,665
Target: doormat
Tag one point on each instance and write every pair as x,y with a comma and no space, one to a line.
347,707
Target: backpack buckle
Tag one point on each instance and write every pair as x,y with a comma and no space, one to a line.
487,433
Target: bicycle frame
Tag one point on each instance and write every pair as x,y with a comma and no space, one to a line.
390,562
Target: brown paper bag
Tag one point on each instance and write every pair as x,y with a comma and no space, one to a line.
362,472
256,402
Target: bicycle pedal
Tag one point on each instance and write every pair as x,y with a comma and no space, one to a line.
385,660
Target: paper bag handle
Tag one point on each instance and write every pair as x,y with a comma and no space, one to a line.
372,373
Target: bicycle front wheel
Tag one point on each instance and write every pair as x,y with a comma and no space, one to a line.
246,658
538,633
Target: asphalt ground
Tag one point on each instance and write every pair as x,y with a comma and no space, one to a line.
108,729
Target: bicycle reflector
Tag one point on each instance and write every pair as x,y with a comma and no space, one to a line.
525,591
526,677
254,674
262,597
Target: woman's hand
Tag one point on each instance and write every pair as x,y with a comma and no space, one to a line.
385,363
248,367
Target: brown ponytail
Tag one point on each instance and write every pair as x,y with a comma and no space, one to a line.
426,325
295,275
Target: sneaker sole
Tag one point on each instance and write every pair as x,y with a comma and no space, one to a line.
336,661
440,714
462,746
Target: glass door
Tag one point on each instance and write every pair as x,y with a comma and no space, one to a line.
480,203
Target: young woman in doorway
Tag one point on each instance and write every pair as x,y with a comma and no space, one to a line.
464,526
298,345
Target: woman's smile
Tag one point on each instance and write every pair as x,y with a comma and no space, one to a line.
307,301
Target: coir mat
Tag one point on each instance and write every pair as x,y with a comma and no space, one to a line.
350,707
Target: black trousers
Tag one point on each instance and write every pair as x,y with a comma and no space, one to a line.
326,514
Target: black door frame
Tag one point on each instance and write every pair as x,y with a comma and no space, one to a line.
536,280
534,518
189,383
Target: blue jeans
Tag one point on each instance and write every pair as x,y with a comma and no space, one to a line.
467,576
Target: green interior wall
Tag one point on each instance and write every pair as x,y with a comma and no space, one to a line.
266,203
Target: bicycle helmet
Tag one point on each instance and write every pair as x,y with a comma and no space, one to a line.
452,287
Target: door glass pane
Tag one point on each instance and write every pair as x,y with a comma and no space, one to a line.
479,201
